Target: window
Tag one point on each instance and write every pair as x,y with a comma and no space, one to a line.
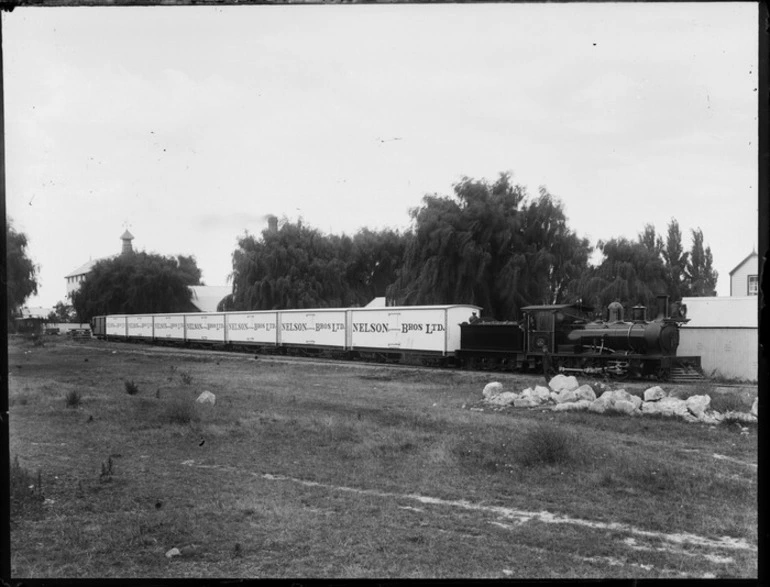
753,285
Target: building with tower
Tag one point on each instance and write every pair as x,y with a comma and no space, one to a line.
76,277
204,298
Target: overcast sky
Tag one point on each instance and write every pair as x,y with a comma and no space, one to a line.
189,125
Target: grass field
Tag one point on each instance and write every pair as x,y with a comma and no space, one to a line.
304,469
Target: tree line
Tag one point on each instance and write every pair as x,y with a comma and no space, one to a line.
488,243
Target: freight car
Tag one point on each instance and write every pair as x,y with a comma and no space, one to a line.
388,334
551,339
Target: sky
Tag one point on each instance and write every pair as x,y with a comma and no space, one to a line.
189,125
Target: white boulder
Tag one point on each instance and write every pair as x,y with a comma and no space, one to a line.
492,389
526,402
563,382
599,405
624,406
740,417
711,417
582,404
566,396
502,399
207,398
697,404
755,408
668,406
585,392
542,392
654,394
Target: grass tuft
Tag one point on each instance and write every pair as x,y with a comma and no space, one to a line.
550,445
186,377
131,387
73,398
180,411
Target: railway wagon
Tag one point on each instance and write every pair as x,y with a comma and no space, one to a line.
386,333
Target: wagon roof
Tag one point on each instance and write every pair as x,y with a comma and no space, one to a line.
555,307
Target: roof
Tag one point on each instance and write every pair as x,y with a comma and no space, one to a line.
742,263
127,236
85,267
554,307
38,312
207,297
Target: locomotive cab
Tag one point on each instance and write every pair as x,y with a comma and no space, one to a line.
547,325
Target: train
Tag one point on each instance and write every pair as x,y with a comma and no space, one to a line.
550,339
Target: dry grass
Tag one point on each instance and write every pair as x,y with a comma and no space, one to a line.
307,470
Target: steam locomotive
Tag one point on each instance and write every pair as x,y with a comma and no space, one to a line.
565,338
551,339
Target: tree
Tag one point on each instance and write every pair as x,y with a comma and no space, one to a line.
21,272
675,259
700,272
650,239
62,313
137,283
294,267
489,245
630,272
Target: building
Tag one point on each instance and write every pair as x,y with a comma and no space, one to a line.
723,332
744,279
204,298
76,277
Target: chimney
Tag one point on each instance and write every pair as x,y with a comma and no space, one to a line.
272,223
127,248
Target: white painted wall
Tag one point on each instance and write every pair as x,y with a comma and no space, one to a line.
723,332
739,281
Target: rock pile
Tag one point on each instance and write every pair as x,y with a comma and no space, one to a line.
565,394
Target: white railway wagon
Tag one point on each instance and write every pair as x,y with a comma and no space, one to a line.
432,329
205,327
258,328
169,326
321,328
139,326
115,326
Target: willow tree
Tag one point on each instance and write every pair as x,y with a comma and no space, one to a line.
489,245
629,272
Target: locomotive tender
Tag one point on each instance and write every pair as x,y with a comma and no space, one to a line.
551,338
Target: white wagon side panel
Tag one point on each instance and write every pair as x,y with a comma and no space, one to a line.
313,328
255,327
115,326
205,327
140,326
404,328
169,326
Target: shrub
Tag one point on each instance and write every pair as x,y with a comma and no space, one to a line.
186,377
72,399
181,411
550,445
131,387
727,402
